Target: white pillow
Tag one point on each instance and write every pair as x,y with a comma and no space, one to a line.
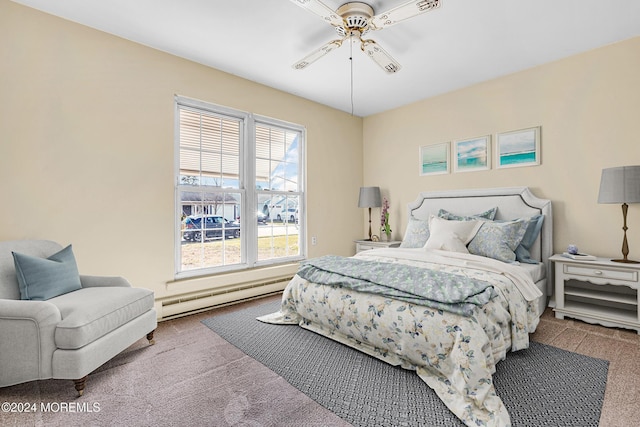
451,236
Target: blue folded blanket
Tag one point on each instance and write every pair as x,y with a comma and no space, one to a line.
432,288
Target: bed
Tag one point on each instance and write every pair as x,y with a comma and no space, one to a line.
449,315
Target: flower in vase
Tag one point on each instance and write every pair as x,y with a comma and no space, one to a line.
384,218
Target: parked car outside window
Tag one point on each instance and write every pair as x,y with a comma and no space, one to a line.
215,227
262,218
290,215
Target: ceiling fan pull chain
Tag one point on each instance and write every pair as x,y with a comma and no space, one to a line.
351,68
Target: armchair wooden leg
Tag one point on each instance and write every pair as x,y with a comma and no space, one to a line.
80,384
150,337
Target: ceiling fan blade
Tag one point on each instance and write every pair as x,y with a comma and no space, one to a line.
402,12
322,10
317,54
380,56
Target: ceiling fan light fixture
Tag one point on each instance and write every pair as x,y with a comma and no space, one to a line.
356,16
354,19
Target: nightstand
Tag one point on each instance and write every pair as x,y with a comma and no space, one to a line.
365,245
599,291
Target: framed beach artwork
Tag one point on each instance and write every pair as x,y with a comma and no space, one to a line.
472,154
434,159
518,148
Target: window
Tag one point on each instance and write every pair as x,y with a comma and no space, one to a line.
278,189
231,166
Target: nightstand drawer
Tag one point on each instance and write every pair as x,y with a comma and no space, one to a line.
365,247
605,273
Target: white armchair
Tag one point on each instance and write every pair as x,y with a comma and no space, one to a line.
70,335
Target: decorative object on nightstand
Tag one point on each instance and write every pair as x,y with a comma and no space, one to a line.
369,198
621,185
573,253
598,291
384,220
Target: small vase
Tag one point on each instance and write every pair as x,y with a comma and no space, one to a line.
387,237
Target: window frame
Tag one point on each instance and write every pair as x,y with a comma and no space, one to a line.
247,188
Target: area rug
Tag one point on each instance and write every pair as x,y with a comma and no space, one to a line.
540,386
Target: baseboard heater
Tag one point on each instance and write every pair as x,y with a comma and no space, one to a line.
194,303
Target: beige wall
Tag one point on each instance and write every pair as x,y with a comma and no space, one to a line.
87,147
589,109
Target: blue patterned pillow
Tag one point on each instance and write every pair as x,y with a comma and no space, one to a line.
499,240
417,233
489,214
534,225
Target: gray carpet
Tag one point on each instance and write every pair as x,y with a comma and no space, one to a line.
541,386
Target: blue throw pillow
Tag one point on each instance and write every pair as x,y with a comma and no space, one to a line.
42,279
417,233
523,253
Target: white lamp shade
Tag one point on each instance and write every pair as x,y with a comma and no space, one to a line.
369,197
620,185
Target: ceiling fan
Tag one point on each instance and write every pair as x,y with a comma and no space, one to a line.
355,19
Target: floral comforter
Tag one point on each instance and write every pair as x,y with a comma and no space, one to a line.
454,354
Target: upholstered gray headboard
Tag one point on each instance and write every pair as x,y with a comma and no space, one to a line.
512,203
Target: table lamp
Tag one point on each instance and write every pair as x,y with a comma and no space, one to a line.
621,185
369,198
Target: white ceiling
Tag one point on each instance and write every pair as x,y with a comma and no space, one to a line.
461,43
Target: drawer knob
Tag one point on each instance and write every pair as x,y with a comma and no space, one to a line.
597,273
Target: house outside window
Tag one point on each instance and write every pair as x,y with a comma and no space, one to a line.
232,165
